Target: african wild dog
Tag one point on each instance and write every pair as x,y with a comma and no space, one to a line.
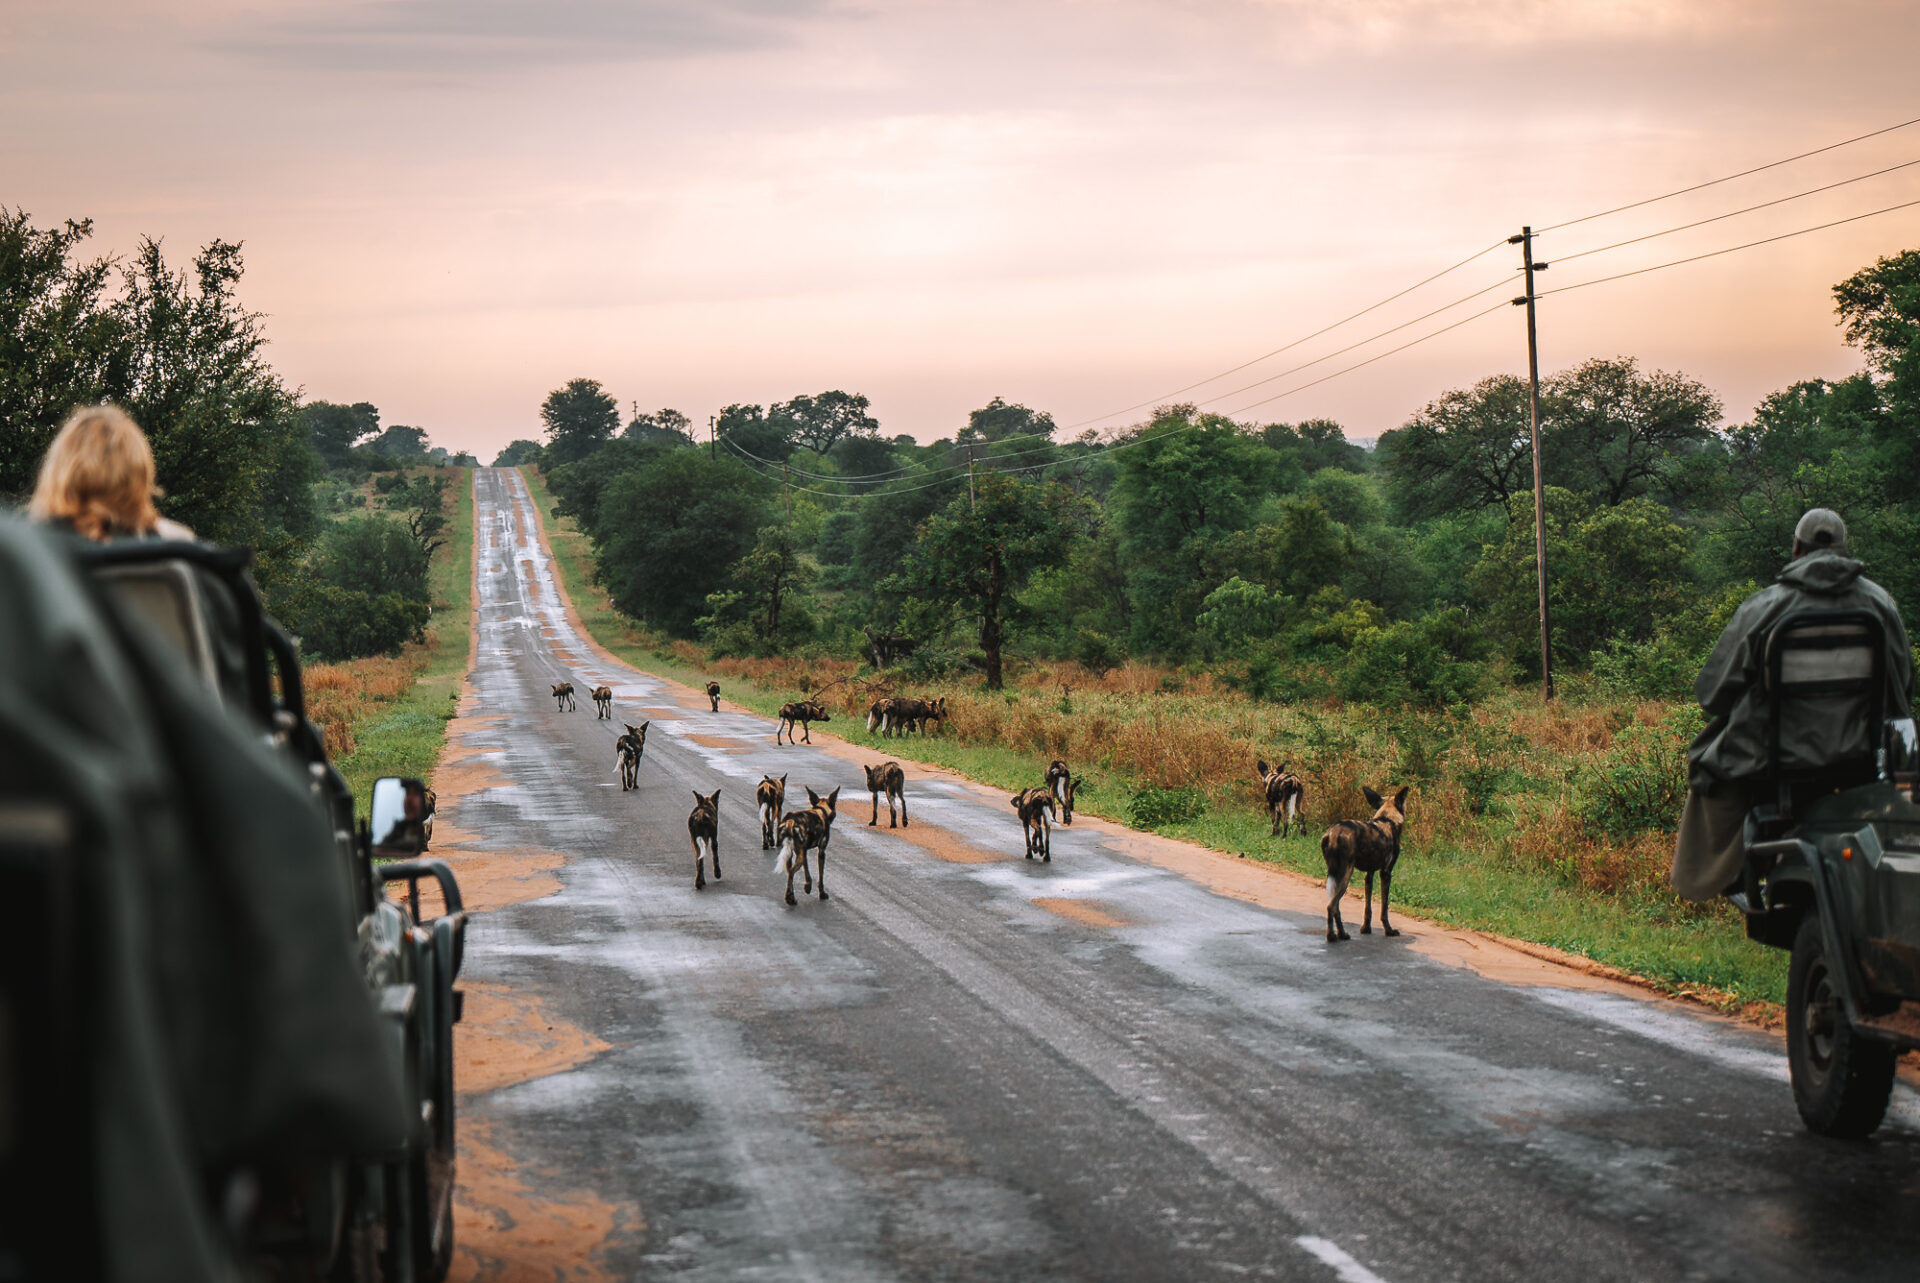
629,747
1035,807
772,795
563,696
1062,785
603,702
1371,847
887,778
703,824
936,712
713,693
801,831
1285,793
802,712
878,714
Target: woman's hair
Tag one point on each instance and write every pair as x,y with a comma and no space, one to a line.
98,476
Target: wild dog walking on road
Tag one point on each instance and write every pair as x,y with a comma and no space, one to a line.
802,712
801,831
1035,807
563,696
603,703
887,778
713,693
703,825
1061,784
772,795
629,747
1284,792
1371,847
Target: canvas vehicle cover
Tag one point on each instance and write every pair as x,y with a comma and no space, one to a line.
220,1017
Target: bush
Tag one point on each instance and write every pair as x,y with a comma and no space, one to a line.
1151,808
1641,783
1098,653
337,623
1422,662
1662,668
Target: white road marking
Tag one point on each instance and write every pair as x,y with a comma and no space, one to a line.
1344,1267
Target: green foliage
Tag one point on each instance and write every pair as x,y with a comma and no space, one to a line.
337,623
335,429
1098,653
1663,667
579,419
519,452
764,612
1641,783
998,420
671,527
1469,449
1428,663
1238,616
1610,433
823,421
1157,808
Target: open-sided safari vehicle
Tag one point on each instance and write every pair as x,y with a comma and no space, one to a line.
230,1052
1832,866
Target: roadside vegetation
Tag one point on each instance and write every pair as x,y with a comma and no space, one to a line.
362,533
1161,604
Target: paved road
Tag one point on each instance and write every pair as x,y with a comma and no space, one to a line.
968,1066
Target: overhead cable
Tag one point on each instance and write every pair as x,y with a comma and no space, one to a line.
1695,258
1715,182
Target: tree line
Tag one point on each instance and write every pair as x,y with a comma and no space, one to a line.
242,458
1280,555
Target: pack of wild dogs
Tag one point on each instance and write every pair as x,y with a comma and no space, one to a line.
799,838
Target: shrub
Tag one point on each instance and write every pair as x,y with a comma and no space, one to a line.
1661,668
1152,808
345,623
1417,662
1098,653
1641,783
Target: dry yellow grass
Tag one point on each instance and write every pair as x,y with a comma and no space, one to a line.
341,695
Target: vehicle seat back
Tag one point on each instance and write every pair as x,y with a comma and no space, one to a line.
167,597
1826,684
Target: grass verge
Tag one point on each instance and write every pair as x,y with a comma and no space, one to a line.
388,715
1484,875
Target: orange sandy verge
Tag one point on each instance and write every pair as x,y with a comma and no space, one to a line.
507,1037
1086,912
506,1232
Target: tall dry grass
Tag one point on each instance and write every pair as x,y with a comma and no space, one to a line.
340,695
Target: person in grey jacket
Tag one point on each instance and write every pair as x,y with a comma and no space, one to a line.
1730,754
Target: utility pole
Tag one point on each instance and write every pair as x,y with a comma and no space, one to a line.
972,503
1525,241
713,440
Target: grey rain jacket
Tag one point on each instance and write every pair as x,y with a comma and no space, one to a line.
1731,689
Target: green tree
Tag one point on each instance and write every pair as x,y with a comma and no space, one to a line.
998,420
57,335
670,529
1611,433
1315,445
401,444
977,555
821,422
1879,310
335,429
666,424
579,418
749,431
519,452
1469,449
765,606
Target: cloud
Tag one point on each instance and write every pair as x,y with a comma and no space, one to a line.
454,36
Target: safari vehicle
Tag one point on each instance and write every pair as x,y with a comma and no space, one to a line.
1833,873
235,1050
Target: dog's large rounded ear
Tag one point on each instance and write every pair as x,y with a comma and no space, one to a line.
1260,765
1400,799
644,725
833,796
1280,769
813,798
1374,800
783,777
697,796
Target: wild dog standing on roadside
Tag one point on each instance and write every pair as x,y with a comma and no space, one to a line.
1035,808
801,831
629,747
887,778
703,825
603,702
1061,784
771,795
1285,792
879,713
803,712
936,712
1371,847
713,693
563,696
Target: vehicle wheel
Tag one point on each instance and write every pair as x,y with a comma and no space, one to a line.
431,1176
1841,1080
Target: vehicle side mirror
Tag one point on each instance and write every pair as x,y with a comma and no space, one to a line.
402,817
1900,753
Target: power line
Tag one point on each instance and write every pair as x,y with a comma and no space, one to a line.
1715,182
1285,347
1811,191
1370,360
1695,258
817,476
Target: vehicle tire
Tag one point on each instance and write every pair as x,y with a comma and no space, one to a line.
431,1176
1841,1080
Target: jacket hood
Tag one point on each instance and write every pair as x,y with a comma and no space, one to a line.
1826,573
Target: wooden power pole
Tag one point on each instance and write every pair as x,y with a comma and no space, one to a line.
1525,241
713,440
972,503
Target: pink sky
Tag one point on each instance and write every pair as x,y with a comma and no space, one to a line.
452,206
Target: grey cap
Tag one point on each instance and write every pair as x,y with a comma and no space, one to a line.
1821,528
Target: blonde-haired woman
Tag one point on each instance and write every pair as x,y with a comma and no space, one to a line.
98,479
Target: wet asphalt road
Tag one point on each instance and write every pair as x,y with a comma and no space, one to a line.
933,1075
